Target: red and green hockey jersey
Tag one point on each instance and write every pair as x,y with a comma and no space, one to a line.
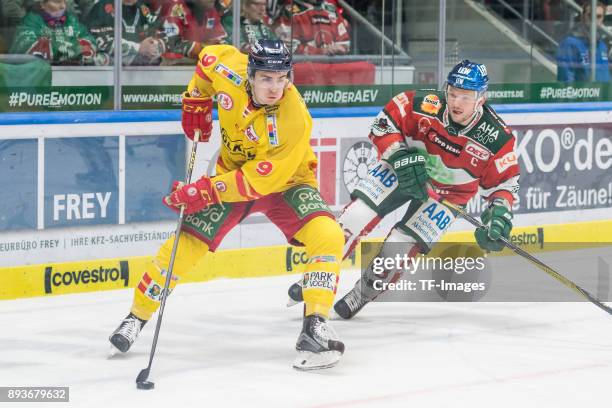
462,160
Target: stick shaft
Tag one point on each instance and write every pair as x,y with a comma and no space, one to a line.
177,233
519,251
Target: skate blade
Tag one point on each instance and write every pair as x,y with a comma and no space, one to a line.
112,352
308,361
291,302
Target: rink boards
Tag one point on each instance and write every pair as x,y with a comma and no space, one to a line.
84,213
118,273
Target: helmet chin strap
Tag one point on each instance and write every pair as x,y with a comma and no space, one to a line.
477,109
249,90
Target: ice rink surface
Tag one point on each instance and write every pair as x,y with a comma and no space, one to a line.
230,343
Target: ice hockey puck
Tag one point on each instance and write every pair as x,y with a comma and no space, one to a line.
145,385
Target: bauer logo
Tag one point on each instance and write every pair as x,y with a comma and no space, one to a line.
104,275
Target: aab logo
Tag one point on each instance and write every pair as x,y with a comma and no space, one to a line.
386,177
76,278
438,216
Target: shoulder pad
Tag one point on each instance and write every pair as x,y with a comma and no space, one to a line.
225,61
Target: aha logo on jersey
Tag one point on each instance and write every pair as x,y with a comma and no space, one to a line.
431,104
486,133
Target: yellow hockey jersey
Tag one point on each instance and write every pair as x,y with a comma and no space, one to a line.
264,150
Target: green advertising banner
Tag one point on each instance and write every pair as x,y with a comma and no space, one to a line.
66,98
152,97
57,98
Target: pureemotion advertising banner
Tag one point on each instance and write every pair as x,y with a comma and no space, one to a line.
75,98
74,198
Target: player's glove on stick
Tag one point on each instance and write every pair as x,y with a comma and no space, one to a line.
409,167
195,196
197,114
497,220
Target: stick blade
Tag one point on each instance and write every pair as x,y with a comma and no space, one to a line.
141,380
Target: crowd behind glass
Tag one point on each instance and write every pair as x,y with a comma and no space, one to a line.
173,32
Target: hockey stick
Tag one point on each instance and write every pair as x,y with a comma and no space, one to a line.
142,382
519,251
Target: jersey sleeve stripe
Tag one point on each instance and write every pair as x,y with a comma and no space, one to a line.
146,278
506,195
244,189
510,186
201,73
384,142
400,106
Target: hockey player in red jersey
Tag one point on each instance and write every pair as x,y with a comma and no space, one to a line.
451,141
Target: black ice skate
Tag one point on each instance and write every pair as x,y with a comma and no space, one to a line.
318,345
123,337
353,302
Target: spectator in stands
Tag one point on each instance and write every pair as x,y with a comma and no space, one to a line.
318,28
50,32
189,26
573,57
254,23
143,41
554,17
14,10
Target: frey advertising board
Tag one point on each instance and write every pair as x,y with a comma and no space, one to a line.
76,192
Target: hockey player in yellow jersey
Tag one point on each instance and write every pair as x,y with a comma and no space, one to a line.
266,165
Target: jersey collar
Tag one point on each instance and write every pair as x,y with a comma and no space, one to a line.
447,121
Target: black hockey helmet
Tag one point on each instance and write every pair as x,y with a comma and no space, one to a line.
269,55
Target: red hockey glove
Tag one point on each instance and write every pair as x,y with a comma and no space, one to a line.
197,114
195,196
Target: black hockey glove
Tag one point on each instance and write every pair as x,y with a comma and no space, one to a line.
409,167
